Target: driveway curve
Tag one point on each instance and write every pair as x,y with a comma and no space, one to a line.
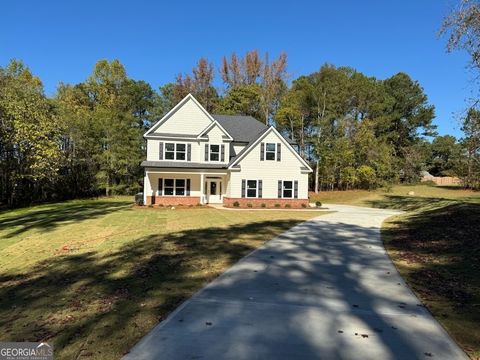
325,289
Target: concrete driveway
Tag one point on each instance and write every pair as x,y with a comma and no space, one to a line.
325,289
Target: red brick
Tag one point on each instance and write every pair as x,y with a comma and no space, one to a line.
172,200
269,203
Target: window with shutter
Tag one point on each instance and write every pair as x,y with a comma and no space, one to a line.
270,150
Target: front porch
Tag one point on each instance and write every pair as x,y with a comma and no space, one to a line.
173,187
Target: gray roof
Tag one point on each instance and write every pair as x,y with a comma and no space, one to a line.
181,164
241,128
245,149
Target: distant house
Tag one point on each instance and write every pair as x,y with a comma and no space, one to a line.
194,157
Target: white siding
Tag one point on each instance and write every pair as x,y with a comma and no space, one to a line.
269,171
188,119
198,147
238,148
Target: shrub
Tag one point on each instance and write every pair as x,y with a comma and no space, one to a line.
318,203
263,205
236,204
429,183
249,205
367,177
288,206
277,205
304,205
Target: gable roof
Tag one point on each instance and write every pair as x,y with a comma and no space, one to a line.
175,109
211,126
259,138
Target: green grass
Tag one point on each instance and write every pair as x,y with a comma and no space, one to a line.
94,276
435,245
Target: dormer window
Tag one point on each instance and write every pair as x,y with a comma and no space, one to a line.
214,152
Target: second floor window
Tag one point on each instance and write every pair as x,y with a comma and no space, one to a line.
270,151
214,152
175,151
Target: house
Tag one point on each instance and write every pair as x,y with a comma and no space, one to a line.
194,157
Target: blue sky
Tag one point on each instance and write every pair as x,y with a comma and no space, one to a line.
155,40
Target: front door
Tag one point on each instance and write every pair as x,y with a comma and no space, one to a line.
214,195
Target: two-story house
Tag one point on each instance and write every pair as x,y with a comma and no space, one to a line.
194,157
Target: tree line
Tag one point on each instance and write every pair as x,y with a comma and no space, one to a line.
356,131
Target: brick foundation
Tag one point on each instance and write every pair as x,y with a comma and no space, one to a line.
173,200
269,203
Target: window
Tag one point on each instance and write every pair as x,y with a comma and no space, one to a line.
168,188
270,150
175,151
251,188
214,152
180,187
175,187
287,189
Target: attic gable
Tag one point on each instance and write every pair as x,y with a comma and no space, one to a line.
188,117
217,129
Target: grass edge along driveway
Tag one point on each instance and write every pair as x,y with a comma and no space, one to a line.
94,276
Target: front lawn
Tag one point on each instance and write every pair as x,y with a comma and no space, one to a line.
436,247
94,276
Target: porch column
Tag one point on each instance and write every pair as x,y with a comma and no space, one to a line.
146,187
202,182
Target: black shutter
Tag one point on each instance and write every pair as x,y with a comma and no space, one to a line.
160,187
279,152
206,152
189,152
262,151
243,188
295,189
259,188
223,152
188,187
279,189
160,151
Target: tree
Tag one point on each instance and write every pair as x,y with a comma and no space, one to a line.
104,119
471,144
29,137
242,100
199,84
462,28
445,153
251,70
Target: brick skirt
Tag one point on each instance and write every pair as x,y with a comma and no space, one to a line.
268,203
173,200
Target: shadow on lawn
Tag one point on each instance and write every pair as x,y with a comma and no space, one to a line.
445,243
56,214
76,297
409,203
